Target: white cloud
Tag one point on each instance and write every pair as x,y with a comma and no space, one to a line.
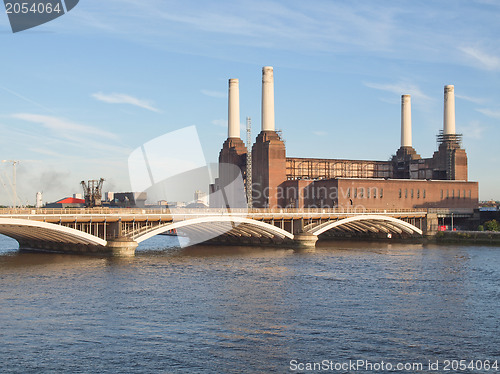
220,122
63,127
400,88
120,98
320,133
486,60
216,94
475,100
490,113
473,131
27,99
47,152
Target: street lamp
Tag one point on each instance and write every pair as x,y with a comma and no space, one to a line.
14,189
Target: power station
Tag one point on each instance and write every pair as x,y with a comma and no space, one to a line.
406,181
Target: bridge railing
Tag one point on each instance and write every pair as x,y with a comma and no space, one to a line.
201,211
450,211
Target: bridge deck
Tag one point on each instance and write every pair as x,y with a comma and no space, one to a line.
53,229
113,215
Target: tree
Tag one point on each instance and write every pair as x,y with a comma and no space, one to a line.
492,225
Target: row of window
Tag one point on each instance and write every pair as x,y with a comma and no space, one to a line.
453,195
412,193
374,192
371,192
458,195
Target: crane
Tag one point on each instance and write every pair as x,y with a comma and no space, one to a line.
92,190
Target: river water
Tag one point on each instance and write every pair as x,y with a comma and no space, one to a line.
250,309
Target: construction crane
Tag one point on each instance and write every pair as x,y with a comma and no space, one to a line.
249,163
92,190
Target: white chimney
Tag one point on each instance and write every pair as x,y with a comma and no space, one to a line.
267,99
406,121
39,201
449,110
234,109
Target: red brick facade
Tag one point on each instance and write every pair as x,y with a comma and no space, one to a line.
268,169
370,193
405,182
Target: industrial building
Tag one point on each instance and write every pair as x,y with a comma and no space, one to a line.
406,181
67,202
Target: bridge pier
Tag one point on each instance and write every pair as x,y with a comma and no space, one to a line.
431,224
305,240
121,247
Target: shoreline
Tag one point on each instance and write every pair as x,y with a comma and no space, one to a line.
476,237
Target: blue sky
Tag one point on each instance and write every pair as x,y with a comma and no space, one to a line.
80,93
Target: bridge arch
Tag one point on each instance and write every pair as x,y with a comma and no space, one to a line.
248,226
25,230
368,222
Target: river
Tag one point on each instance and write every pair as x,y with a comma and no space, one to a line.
250,309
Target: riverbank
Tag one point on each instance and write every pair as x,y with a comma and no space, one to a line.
479,237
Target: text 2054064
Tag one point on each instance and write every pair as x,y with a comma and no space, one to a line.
35,8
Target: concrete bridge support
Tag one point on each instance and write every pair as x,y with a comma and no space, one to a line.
117,247
305,240
431,224
121,247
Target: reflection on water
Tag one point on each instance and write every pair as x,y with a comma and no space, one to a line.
246,309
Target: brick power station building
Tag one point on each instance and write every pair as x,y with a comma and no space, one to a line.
407,181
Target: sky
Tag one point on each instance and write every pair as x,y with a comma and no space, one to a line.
80,93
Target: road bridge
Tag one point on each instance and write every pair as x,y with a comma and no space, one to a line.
119,231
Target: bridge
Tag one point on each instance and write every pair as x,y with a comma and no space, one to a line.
119,231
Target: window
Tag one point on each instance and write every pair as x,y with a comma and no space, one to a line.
348,192
464,194
412,193
469,194
361,192
382,193
400,193
355,192
406,193
368,193
418,194
447,194
442,194
423,194
453,193
458,194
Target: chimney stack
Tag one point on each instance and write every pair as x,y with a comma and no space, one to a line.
233,120
267,99
449,110
406,121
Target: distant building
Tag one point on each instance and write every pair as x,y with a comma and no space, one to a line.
67,202
108,197
201,197
406,181
176,204
129,199
200,200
